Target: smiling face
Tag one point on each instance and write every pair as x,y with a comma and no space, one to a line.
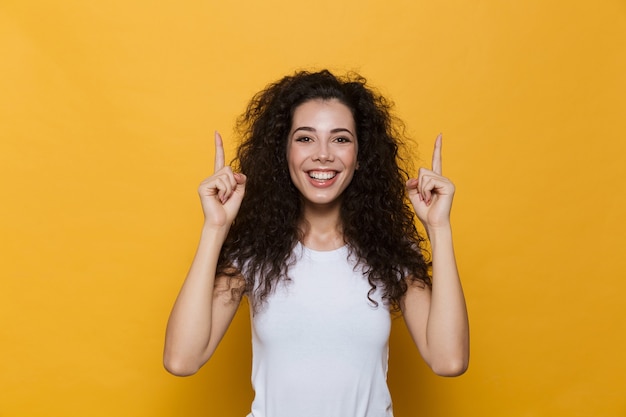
322,151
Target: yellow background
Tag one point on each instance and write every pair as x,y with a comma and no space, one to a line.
107,110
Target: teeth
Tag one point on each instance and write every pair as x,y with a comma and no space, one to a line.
322,175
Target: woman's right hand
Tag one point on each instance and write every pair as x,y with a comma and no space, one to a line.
221,194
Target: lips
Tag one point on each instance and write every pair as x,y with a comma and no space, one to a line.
322,175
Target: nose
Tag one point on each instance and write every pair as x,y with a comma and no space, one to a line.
323,152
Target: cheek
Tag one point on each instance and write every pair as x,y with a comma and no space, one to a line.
292,158
350,158
293,162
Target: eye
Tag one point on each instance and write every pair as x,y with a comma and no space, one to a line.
303,139
343,139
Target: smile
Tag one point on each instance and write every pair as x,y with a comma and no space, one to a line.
322,175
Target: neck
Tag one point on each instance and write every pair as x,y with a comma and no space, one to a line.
321,228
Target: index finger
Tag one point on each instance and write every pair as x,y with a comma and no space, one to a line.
437,156
219,152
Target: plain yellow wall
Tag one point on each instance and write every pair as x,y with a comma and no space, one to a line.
107,110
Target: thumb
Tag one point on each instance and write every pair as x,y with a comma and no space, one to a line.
240,178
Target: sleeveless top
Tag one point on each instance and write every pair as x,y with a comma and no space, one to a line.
320,346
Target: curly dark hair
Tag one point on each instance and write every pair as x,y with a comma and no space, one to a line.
377,221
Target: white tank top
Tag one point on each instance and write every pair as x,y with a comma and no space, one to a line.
320,346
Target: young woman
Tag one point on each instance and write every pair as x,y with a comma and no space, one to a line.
314,225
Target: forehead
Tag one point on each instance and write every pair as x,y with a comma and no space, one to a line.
323,111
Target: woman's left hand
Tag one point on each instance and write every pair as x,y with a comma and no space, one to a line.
431,193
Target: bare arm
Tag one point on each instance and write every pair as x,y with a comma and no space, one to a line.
437,319
204,307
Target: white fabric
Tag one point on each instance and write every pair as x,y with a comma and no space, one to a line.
320,347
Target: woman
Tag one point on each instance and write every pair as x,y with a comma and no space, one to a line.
319,234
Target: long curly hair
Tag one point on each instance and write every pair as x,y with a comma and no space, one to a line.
377,221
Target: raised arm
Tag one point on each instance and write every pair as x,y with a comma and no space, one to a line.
204,307
437,319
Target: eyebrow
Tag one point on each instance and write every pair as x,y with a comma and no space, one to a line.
336,130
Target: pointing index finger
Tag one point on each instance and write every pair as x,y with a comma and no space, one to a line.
437,156
219,152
